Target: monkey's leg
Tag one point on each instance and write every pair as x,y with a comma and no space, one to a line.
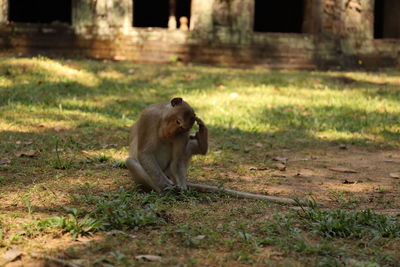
140,176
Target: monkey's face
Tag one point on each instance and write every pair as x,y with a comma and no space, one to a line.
184,121
180,119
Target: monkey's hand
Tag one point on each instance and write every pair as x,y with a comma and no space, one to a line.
201,139
200,123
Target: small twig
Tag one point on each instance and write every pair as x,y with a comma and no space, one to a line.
56,260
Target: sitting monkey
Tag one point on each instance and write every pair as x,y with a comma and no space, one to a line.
161,147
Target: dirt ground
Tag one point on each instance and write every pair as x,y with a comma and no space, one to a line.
340,177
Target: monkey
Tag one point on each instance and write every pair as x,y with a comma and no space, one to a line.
161,147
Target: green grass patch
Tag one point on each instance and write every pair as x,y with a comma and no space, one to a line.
75,116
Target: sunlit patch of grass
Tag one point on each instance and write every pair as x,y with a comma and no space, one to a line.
23,69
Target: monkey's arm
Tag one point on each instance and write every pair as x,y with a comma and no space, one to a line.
157,179
198,144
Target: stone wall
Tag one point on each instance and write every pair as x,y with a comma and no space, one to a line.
335,34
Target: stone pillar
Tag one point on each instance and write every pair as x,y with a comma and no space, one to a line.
101,17
233,20
312,22
330,16
357,19
201,18
172,23
3,11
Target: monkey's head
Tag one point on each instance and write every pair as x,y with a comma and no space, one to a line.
179,119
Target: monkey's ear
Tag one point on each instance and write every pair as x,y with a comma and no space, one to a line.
176,101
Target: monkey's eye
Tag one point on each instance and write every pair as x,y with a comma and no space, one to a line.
179,122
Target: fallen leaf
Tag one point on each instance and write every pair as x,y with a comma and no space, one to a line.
279,175
199,237
395,175
12,254
281,159
116,232
342,169
253,168
25,143
206,168
281,166
5,161
258,145
148,257
343,146
234,95
57,128
389,160
27,153
83,239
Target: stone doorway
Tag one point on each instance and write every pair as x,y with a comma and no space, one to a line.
284,16
387,19
39,11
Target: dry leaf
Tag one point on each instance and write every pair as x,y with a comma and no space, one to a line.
343,146
12,254
281,159
253,168
57,128
395,175
258,145
5,161
342,169
199,237
27,153
281,166
25,143
279,175
116,232
389,160
148,257
206,168
83,239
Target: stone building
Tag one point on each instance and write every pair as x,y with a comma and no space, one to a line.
277,34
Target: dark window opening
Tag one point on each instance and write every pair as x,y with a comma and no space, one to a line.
387,19
279,16
40,11
183,10
150,13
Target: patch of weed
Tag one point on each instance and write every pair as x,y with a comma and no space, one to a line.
316,232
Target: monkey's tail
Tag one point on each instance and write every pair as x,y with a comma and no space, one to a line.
240,194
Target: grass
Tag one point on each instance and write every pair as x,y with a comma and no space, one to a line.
75,114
